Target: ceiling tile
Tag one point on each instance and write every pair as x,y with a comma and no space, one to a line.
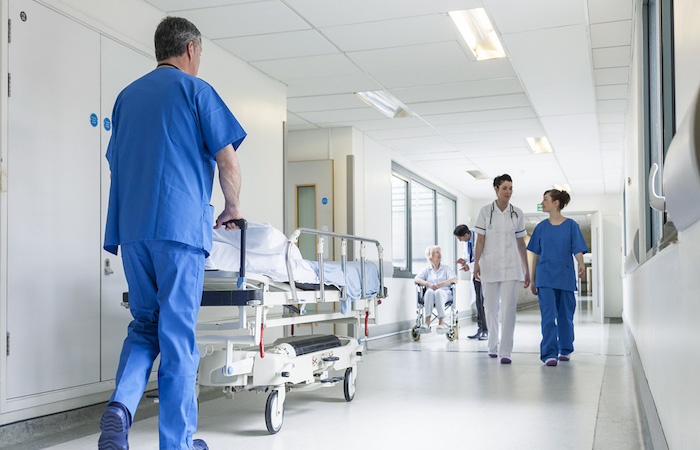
512,16
612,92
324,103
481,116
609,10
611,57
341,116
245,19
611,34
307,67
494,136
402,133
382,124
468,89
446,55
611,117
555,68
330,13
608,106
179,5
471,104
618,75
432,75
611,128
572,133
442,157
529,125
340,84
420,144
391,33
292,44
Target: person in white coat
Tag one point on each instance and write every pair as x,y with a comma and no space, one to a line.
500,259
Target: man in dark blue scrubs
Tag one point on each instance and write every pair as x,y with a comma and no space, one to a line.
171,130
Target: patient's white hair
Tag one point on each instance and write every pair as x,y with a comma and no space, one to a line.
430,250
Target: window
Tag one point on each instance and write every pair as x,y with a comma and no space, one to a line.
399,222
422,215
659,110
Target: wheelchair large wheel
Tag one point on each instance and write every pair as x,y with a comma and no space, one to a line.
415,334
274,416
349,384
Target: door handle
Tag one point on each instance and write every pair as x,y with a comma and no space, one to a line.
107,268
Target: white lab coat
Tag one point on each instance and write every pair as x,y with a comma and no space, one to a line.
500,260
470,272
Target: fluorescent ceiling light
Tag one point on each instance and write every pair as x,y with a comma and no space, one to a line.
386,103
477,31
563,187
477,174
539,144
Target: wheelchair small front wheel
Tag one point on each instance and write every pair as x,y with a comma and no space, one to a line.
415,333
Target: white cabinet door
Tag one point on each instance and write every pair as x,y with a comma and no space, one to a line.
53,199
120,66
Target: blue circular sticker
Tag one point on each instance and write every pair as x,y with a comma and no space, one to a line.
93,120
324,200
108,124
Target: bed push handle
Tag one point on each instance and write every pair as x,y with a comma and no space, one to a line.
243,225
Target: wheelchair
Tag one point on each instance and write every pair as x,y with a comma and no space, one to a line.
451,314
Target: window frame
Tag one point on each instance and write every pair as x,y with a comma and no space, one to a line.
411,178
659,110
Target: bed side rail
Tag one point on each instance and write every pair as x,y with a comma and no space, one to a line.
294,238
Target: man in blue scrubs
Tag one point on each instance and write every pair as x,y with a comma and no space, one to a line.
170,131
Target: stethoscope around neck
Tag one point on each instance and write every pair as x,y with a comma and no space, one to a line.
512,211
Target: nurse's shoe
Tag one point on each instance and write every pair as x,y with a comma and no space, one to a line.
565,357
505,360
551,362
199,444
115,424
492,355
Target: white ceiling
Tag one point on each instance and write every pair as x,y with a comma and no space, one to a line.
566,77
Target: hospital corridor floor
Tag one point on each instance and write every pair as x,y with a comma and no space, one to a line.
435,394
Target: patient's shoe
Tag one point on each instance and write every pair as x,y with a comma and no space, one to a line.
115,424
442,329
199,444
424,329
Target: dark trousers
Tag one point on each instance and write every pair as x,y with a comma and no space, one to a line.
480,315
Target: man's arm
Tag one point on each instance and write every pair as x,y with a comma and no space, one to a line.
230,180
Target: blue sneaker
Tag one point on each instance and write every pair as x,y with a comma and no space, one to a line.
115,424
199,444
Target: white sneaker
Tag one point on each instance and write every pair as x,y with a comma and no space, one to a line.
424,329
442,329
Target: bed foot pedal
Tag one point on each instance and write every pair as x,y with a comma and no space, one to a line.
331,358
333,380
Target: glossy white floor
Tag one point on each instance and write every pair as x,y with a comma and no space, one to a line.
437,394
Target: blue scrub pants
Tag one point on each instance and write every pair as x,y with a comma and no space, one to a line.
165,290
557,307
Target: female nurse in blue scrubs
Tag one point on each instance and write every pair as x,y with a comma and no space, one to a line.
553,278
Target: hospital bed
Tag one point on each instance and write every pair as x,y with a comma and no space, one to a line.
234,355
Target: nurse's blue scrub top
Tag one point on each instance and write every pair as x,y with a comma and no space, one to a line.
167,128
556,245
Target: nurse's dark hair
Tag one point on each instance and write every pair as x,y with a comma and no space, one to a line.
562,196
172,37
461,230
500,179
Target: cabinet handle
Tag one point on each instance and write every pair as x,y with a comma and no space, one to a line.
108,269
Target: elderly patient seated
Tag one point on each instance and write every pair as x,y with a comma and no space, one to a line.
437,279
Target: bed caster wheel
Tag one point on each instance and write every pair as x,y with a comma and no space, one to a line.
415,334
349,384
274,413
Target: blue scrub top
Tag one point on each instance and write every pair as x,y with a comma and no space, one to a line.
556,245
167,128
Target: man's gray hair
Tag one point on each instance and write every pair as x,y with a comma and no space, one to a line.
172,37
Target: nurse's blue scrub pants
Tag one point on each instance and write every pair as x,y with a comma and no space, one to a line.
165,290
557,307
